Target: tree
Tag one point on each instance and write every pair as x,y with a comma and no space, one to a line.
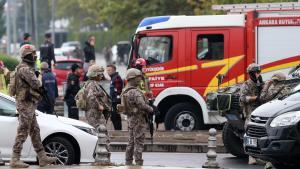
126,14
71,10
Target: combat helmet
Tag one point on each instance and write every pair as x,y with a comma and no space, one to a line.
253,67
133,73
278,76
94,71
26,50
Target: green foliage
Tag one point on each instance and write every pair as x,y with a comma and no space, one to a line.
123,16
9,61
102,38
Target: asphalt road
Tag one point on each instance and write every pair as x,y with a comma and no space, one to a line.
186,160
169,160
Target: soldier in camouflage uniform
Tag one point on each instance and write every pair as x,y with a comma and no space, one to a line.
27,97
136,108
97,100
249,95
273,89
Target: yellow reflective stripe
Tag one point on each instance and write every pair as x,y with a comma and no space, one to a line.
282,66
227,65
175,70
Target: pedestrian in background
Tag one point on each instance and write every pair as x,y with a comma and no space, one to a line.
27,39
136,108
73,86
89,52
50,84
27,97
115,90
47,51
108,54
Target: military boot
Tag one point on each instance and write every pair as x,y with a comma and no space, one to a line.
139,162
44,159
128,162
15,162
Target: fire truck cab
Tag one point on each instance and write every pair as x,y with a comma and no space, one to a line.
188,56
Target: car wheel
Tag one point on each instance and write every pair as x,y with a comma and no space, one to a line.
184,117
62,149
232,143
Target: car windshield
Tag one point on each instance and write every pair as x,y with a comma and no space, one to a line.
66,65
295,96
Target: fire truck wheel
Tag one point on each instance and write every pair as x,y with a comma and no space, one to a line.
232,143
184,117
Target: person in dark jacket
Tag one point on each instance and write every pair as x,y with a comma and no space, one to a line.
116,87
27,39
89,52
73,86
47,51
50,84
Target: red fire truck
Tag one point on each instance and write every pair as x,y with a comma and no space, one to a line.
187,54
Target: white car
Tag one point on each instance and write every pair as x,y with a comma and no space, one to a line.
72,141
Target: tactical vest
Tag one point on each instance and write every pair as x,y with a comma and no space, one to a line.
24,92
3,88
144,84
125,106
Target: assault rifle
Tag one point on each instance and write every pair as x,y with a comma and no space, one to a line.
107,113
43,92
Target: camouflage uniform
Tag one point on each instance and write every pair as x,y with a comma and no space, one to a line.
138,107
275,89
26,108
248,90
27,98
95,98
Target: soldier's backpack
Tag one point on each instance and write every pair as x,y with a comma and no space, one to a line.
81,98
12,86
124,106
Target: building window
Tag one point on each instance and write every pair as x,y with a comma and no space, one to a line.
210,47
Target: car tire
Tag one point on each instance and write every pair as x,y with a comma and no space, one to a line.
184,117
66,149
232,143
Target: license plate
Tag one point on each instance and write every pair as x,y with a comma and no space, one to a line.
251,142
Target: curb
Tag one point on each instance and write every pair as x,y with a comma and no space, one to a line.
168,147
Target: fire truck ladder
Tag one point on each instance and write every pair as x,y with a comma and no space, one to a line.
242,8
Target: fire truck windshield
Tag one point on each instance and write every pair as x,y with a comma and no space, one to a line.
155,49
